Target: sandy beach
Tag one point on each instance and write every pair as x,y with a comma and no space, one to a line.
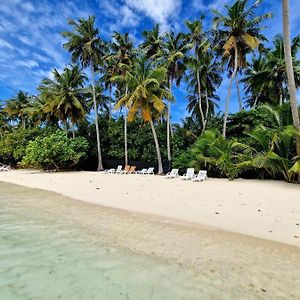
264,209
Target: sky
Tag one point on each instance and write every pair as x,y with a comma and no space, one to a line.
31,42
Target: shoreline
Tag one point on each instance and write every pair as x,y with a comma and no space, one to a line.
267,210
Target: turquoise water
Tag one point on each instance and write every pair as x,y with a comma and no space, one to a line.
45,254
52,247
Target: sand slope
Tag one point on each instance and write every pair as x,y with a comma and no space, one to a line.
265,209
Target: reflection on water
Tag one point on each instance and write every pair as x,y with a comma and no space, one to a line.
52,247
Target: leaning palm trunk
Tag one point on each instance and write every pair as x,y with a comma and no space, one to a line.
168,132
238,92
125,131
100,165
290,70
229,90
200,102
160,168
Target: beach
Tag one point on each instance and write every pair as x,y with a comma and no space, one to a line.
263,209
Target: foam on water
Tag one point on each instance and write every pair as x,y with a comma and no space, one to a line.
52,247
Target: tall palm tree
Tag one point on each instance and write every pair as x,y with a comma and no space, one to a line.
86,46
203,78
147,88
174,50
203,72
16,107
123,55
153,42
239,35
289,69
65,95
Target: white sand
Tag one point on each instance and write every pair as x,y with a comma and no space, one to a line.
265,209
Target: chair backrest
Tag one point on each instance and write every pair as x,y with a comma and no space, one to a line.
202,173
190,172
150,170
174,172
119,168
127,168
132,169
143,171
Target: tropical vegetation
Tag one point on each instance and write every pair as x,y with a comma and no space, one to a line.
113,102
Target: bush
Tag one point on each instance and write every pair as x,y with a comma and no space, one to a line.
55,152
13,145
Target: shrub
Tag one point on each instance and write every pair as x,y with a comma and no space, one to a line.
55,151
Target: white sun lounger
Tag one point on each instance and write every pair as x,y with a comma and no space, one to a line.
201,176
4,168
143,171
189,174
119,170
172,174
150,171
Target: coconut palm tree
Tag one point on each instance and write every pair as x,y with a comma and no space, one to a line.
123,55
86,47
173,57
204,72
239,35
65,95
146,90
289,69
153,42
16,107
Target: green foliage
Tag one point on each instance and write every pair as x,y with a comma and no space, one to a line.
13,144
55,151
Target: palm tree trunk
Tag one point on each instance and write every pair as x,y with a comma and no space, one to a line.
100,165
73,131
160,168
280,98
207,109
229,91
168,132
290,70
255,101
238,92
125,130
200,101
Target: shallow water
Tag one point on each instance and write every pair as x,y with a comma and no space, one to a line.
52,247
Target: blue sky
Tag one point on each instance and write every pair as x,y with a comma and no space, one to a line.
31,44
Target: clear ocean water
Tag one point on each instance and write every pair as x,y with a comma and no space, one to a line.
45,254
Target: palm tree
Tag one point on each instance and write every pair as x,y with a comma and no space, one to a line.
16,107
203,73
86,46
153,42
289,69
146,86
175,48
265,77
123,55
65,95
239,35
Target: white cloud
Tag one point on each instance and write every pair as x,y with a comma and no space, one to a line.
5,44
160,11
26,63
27,6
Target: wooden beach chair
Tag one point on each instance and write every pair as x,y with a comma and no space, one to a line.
126,169
131,170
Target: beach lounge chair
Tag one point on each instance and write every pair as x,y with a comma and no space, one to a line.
172,174
4,168
131,170
119,170
111,171
201,176
143,171
126,169
189,174
150,171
